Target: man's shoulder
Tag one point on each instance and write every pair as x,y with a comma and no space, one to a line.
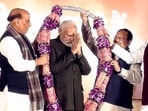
54,41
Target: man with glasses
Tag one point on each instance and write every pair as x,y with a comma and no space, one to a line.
119,91
137,56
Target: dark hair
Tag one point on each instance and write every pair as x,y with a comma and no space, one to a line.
129,33
16,13
12,17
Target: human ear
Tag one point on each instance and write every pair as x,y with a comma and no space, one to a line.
129,42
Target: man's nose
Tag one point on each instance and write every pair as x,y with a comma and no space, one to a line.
71,38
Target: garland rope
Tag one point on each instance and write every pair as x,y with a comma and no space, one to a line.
105,69
43,39
78,9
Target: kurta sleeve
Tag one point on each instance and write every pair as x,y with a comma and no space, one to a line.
133,75
130,57
11,50
88,38
84,65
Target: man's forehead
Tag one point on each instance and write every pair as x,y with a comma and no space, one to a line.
122,33
71,30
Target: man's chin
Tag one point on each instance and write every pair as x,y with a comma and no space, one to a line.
68,45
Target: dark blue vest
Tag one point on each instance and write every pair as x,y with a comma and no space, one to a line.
119,91
15,80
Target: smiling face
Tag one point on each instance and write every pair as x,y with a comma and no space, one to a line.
121,39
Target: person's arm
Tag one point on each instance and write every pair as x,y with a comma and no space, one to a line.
11,50
130,57
88,37
133,75
83,64
58,64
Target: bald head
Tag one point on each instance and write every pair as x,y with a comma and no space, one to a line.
16,13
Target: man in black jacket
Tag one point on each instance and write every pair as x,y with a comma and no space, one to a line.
68,64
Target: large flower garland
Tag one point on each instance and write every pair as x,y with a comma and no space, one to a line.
104,71
105,68
51,22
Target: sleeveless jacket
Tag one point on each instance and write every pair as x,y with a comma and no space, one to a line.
119,91
15,80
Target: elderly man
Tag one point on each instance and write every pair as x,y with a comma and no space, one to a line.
68,64
18,65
